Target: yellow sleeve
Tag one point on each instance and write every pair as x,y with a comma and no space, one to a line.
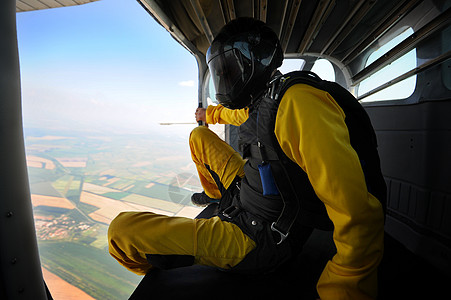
219,114
311,129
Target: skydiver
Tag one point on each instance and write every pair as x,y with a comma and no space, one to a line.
309,161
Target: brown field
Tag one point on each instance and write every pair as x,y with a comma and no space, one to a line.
73,162
61,289
40,200
154,203
97,189
128,187
110,181
39,162
107,172
109,208
142,164
122,186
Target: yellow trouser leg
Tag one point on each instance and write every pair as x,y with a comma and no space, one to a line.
212,242
208,149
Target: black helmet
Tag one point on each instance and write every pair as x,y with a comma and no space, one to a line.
241,60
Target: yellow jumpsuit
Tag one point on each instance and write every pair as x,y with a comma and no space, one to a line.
311,132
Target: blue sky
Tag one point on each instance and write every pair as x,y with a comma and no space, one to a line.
104,65
108,66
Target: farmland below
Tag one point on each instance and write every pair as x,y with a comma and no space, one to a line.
80,181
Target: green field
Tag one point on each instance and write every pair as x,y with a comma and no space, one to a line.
152,173
74,262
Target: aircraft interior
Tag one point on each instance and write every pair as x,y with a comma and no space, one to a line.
413,133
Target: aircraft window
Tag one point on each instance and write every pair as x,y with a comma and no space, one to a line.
291,64
210,91
324,69
209,94
93,96
400,90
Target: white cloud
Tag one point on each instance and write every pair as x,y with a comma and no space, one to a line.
189,83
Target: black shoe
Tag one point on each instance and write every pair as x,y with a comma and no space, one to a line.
201,199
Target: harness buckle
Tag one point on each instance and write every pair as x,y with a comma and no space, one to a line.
283,236
231,212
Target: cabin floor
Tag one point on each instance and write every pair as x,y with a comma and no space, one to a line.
402,275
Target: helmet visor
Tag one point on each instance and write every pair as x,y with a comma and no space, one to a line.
230,71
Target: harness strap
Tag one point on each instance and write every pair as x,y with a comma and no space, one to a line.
291,206
286,81
291,203
256,151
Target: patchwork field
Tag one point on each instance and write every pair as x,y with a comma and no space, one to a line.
73,162
40,162
41,200
109,208
62,289
89,269
80,183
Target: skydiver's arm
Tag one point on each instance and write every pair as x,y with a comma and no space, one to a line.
311,129
215,114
